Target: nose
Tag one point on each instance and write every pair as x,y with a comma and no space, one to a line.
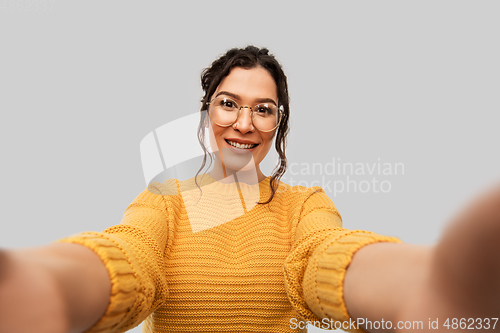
244,122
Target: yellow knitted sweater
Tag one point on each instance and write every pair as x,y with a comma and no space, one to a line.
241,267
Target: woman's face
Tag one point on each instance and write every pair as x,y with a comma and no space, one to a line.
247,87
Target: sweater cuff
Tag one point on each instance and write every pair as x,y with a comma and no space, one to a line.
323,282
121,274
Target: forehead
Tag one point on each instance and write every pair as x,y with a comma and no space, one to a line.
253,83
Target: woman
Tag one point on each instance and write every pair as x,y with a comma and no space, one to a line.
260,267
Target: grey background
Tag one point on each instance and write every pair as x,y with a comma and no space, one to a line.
413,82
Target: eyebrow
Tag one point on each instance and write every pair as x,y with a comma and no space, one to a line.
235,96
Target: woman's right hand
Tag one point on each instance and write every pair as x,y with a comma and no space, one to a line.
57,288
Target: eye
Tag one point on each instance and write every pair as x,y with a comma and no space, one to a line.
228,104
263,110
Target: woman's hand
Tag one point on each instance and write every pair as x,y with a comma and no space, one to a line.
457,278
465,271
57,288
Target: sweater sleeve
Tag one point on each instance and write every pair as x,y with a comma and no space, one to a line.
133,253
316,266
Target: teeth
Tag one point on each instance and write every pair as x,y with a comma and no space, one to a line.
240,145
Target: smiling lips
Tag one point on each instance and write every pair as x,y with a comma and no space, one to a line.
242,145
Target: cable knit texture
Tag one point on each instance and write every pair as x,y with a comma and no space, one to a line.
219,262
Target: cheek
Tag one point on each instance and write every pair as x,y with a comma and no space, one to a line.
267,144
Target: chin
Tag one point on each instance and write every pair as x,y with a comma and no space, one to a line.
238,161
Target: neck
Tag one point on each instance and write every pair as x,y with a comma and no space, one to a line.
250,174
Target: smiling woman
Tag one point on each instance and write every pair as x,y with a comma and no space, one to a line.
248,252
250,78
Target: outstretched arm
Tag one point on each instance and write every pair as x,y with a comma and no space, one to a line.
111,283
457,278
52,289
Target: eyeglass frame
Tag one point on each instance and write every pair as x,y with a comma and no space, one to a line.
280,114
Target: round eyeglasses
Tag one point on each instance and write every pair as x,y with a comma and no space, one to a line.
225,112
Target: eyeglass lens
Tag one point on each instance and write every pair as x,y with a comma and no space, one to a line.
224,112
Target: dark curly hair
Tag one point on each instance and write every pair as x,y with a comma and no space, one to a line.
248,57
